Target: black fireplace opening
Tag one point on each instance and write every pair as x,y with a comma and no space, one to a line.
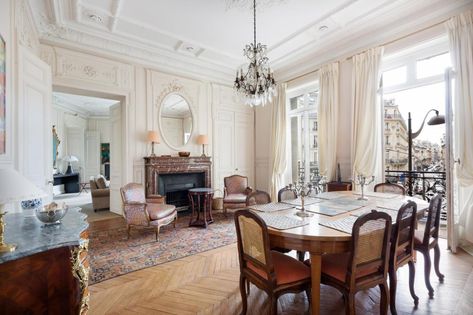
175,187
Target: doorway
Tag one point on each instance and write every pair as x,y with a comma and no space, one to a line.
88,159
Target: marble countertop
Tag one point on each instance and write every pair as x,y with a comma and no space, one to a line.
32,236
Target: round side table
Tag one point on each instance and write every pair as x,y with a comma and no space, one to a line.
201,204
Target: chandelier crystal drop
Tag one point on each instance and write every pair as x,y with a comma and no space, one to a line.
256,85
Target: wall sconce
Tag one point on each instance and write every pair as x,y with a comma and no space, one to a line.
203,140
153,137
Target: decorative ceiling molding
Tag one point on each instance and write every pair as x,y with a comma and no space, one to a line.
346,26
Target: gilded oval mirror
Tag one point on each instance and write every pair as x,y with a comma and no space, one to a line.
175,120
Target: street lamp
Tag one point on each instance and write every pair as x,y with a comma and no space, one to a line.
435,120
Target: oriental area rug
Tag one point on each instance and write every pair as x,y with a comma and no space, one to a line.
111,254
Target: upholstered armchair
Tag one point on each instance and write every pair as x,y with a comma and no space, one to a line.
236,190
139,211
100,194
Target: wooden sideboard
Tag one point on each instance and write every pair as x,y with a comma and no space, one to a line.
48,272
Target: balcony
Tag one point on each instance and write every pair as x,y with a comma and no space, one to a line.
425,185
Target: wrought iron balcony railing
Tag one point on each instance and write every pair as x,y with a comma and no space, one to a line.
424,184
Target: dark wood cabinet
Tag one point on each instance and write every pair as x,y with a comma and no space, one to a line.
70,182
339,186
48,272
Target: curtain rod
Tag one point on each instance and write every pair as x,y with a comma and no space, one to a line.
365,49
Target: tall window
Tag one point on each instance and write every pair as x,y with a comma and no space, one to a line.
413,82
302,125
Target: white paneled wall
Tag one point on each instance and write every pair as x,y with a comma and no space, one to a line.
233,151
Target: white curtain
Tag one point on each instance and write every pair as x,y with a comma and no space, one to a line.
278,142
327,116
460,34
366,143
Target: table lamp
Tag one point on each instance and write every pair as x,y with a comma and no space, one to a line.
153,137
203,140
14,187
69,159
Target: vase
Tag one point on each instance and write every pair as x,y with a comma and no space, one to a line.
31,204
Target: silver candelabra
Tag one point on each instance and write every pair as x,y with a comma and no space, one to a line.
362,181
302,190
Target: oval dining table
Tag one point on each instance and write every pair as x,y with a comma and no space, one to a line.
319,240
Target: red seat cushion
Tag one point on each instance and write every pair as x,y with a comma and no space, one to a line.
158,211
286,268
235,198
336,266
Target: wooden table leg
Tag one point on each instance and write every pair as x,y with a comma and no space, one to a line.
315,270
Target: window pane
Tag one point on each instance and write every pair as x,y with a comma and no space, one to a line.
297,102
313,96
395,76
427,153
433,66
295,146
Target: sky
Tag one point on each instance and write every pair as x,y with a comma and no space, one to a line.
419,101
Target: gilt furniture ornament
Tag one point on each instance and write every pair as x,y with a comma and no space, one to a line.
302,190
256,85
362,181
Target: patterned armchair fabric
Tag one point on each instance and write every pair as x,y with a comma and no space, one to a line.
236,190
139,211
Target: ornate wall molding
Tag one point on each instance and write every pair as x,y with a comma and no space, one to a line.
25,29
69,64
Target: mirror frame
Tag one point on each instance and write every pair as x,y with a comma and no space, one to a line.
57,142
176,148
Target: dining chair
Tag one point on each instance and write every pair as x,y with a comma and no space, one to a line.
271,271
402,250
258,197
366,265
426,240
286,194
390,188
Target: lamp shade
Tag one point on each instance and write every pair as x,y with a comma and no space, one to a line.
202,139
70,158
15,187
153,136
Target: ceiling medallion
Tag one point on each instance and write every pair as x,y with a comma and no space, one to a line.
256,86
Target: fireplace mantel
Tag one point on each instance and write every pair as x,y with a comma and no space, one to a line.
154,166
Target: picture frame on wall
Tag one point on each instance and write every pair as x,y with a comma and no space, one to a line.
105,153
3,89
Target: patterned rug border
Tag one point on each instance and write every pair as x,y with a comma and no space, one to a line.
114,256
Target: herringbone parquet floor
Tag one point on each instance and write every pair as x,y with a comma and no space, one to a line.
207,283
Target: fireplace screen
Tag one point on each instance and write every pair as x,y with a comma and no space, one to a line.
175,187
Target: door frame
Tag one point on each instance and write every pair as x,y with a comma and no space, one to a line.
124,97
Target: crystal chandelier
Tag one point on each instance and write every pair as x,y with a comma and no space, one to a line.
256,86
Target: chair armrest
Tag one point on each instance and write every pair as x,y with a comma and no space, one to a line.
225,193
159,199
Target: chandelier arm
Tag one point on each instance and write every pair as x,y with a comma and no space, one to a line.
254,23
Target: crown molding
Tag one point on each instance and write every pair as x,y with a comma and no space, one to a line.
348,45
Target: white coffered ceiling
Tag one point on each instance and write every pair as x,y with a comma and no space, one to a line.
85,105
205,38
